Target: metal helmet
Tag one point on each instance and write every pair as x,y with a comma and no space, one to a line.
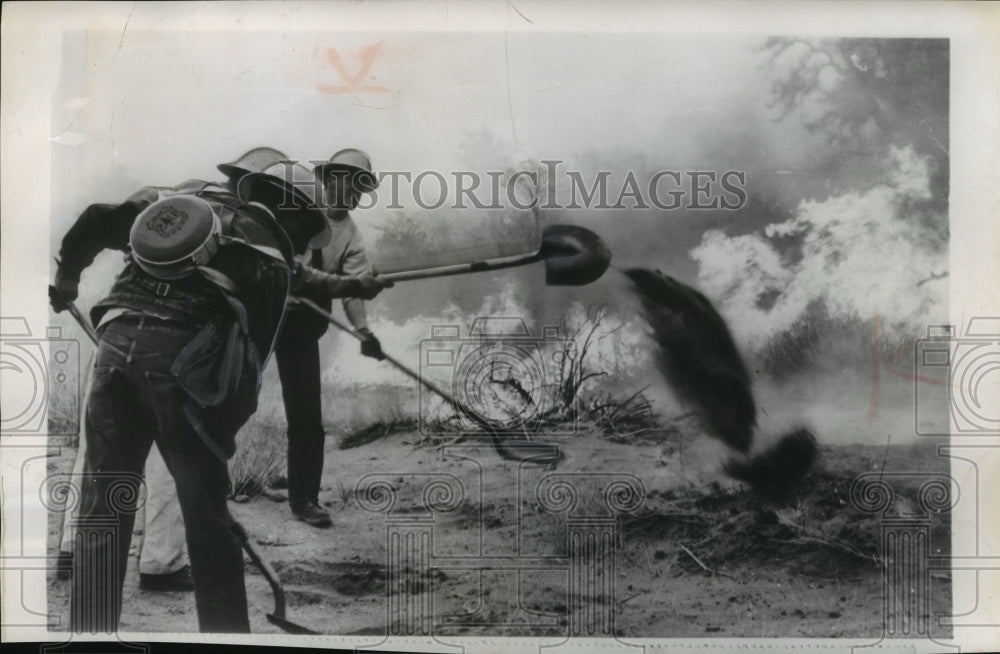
356,163
252,161
174,235
298,176
289,189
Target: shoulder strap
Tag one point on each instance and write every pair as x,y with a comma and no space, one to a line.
262,216
229,290
191,186
219,278
145,196
241,314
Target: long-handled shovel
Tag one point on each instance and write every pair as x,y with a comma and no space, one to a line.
573,256
512,449
276,618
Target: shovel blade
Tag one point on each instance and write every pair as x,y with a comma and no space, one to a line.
535,452
574,256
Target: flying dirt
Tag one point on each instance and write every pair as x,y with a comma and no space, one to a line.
700,361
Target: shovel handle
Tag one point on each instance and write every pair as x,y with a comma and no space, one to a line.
264,567
495,440
464,268
402,367
278,617
87,327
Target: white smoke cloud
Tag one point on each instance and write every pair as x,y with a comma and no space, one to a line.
736,272
863,254
617,348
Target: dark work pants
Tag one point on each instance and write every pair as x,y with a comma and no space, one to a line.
135,401
297,353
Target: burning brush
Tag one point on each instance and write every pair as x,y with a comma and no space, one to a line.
700,361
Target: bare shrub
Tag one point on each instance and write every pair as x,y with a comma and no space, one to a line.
626,418
614,415
260,455
573,372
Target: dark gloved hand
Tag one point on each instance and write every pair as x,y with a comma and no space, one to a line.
63,292
370,345
371,286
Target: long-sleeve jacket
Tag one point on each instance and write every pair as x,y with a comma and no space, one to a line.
331,271
262,280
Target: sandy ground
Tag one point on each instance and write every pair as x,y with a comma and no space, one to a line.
700,556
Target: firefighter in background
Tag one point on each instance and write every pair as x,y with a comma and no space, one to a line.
337,185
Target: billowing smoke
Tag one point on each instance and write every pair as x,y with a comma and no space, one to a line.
615,348
860,254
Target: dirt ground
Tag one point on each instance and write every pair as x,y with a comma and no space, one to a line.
701,556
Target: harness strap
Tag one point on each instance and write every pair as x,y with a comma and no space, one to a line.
219,278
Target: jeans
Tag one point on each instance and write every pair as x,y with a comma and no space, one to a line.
135,401
297,354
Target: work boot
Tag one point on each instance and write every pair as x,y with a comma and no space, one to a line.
178,581
311,514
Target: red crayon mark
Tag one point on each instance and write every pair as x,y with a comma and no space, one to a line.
884,360
353,81
908,349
